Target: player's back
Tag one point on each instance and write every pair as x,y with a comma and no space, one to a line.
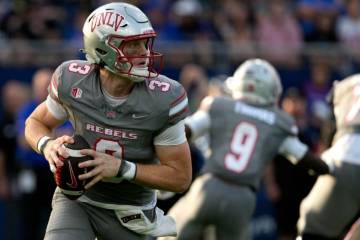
244,138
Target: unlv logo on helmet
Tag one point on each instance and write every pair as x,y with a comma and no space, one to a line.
106,18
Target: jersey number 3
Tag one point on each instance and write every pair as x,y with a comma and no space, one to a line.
242,147
81,69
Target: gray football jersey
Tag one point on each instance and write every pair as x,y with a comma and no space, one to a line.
126,131
244,138
346,104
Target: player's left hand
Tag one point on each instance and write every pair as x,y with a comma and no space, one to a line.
103,166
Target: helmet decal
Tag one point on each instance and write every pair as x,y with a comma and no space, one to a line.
111,19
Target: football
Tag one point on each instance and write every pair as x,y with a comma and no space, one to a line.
67,176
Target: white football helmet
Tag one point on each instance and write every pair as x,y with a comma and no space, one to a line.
256,81
108,29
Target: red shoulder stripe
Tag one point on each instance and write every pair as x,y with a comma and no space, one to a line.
185,110
179,99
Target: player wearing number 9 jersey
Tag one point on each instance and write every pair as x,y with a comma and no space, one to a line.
246,132
130,115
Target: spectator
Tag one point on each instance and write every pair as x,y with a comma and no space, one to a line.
14,94
278,34
234,21
307,12
348,29
189,23
324,29
315,90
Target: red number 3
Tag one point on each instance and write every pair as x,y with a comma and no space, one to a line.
81,69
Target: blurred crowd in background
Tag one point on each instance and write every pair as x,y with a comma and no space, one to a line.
311,42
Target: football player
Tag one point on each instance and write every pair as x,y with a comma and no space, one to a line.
246,131
334,201
130,115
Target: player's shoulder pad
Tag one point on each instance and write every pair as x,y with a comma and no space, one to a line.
77,67
168,90
170,94
163,84
70,72
286,122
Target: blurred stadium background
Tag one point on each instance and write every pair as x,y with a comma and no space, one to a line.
311,42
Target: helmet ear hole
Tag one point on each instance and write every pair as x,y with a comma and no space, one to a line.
100,51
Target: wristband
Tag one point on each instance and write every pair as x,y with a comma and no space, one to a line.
42,144
127,170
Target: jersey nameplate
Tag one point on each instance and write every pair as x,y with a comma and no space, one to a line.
260,114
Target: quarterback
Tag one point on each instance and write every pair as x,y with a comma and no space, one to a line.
130,115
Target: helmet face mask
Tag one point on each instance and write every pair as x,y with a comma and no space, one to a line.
256,81
111,30
138,65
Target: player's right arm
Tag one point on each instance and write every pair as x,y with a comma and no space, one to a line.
199,123
299,154
42,121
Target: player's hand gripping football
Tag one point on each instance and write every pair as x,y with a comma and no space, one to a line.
104,165
54,149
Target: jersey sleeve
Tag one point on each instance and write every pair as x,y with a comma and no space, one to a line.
55,82
53,101
178,109
55,108
293,149
173,135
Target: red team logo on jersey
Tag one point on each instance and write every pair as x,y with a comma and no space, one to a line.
111,114
76,92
